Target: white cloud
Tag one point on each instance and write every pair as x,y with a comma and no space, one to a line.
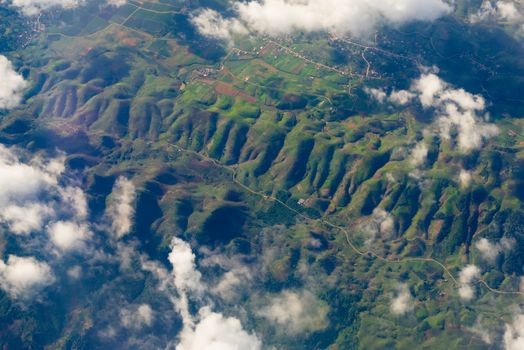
419,154
211,23
22,277
126,253
116,3
378,94
231,281
12,85
68,235
463,99
428,86
216,332
386,223
33,198
207,329
381,224
358,17
471,129
508,11
158,271
75,198
234,280
514,334
355,17
466,277
137,317
402,301
145,314
401,97
74,272
187,277
464,178
25,219
120,210
459,114
497,11
107,333
296,312
20,181
34,7
22,184
489,251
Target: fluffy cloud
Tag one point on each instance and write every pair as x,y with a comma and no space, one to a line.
126,254
497,11
120,210
231,281
514,334
21,181
427,87
137,317
158,271
464,178
216,332
207,329
356,17
68,235
75,199
466,277
296,312
378,94
401,98
21,277
25,219
12,85
35,199
212,24
508,11
34,7
380,225
74,272
402,301
116,3
472,131
21,186
385,221
234,280
187,277
32,197
489,251
459,114
419,154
